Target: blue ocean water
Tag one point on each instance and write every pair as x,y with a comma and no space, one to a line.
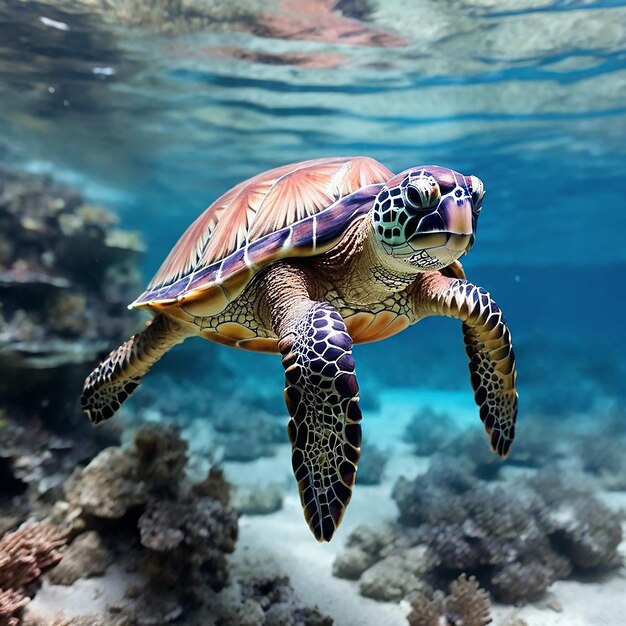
527,95
155,112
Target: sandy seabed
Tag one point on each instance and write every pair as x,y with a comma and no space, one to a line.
281,543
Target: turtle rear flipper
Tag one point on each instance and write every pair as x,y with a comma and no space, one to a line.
120,373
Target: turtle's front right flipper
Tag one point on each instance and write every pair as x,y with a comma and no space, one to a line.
120,373
325,426
488,346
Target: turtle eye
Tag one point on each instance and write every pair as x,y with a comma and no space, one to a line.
422,193
414,198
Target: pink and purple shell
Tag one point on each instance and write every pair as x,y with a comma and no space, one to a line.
297,210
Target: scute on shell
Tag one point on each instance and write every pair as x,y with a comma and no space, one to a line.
265,218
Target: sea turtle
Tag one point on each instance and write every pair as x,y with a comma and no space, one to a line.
305,260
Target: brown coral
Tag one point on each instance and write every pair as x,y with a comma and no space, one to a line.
10,603
24,554
466,605
195,535
108,486
87,556
117,480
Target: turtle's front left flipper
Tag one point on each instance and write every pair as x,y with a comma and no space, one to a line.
488,346
325,430
321,393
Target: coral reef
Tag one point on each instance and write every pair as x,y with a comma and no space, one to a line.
467,604
117,479
603,457
587,532
22,454
108,486
544,442
24,554
213,486
35,464
365,546
475,453
231,420
86,556
190,536
136,508
430,431
60,310
11,602
372,464
177,534
517,540
352,562
396,575
272,601
215,422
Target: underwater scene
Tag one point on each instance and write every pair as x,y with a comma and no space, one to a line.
381,380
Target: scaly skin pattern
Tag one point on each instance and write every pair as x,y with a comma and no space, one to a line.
370,297
321,393
488,347
120,373
322,398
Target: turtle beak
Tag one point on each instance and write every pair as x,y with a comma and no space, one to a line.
457,216
452,215
459,244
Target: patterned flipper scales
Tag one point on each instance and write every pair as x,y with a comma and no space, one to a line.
325,427
112,382
488,347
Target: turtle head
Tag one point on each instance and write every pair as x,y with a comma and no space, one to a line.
426,216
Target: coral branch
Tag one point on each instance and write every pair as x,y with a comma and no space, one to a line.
467,604
10,603
24,554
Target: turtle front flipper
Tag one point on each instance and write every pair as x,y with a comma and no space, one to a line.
488,347
321,393
325,431
120,373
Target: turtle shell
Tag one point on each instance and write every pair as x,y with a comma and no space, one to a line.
296,210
